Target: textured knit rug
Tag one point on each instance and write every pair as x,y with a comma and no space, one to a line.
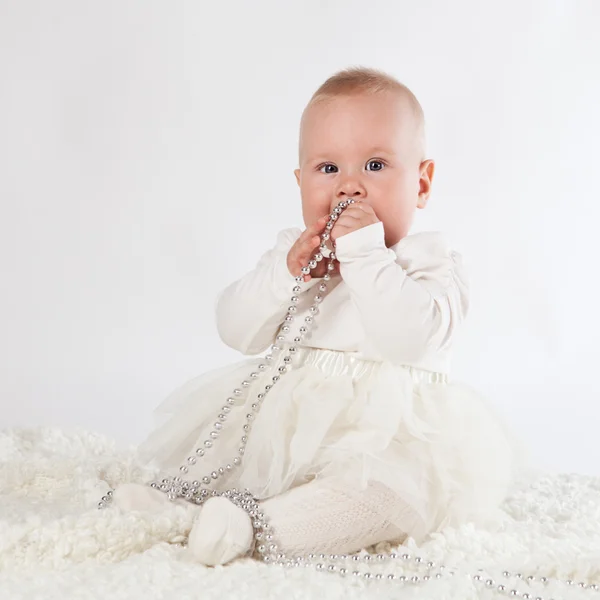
55,543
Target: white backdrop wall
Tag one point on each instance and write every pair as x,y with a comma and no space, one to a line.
146,159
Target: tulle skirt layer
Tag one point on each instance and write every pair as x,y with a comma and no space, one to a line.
439,445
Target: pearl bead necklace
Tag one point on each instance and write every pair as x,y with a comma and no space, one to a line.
344,565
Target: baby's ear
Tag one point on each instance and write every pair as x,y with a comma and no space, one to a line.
427,169
297,174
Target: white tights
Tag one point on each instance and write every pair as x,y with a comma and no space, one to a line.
321,516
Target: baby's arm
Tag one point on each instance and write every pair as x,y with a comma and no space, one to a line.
409,304
250,310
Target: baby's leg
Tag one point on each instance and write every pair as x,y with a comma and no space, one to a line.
330,516
322,516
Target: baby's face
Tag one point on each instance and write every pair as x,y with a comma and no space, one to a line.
363,147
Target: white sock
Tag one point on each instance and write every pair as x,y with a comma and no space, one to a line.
221,532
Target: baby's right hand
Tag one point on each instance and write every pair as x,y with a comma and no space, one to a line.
305,247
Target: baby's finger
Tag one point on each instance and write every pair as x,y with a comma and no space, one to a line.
308,249
313,239
309,241
316,228
319,224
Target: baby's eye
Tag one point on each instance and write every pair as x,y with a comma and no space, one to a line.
327,165
376,162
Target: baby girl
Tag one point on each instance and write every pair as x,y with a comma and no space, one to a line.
349,431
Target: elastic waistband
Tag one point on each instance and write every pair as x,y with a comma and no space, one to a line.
337,362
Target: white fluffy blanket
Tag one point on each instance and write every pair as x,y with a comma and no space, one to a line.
55,543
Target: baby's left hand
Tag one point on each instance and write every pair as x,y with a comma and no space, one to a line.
356,216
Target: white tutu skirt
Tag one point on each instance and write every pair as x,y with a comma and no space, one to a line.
439,445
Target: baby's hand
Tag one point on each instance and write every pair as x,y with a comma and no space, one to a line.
356,216
304,249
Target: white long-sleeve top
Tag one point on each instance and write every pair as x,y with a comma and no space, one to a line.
400,304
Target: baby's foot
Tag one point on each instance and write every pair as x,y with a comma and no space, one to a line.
221,532
136,496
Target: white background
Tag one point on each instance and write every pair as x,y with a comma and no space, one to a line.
146,159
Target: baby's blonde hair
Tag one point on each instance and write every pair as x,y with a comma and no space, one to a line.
366,80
